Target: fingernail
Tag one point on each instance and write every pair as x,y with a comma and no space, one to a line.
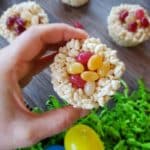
49,57
53,53
84,113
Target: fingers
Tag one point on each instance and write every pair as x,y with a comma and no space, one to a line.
48,48
43,62
38,66
55,121
30,43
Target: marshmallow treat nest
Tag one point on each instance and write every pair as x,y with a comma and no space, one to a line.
94,89
19,17
129,25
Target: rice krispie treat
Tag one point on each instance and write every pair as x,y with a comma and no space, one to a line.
75,3
129,25
86,73
19,17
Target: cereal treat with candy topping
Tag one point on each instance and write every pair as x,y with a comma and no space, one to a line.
19,17
86,73
75,3
129,25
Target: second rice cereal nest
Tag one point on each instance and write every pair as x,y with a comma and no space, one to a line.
86,73
129,25
75,3
19,17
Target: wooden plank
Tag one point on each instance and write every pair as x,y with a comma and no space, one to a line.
94,17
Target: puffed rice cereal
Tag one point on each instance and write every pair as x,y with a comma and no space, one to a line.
19,17
129,25
87,88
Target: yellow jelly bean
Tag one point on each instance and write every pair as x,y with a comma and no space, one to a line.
89,76
112,66
103,71
95,62
75,68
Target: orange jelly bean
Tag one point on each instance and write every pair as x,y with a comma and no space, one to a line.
103,71
95,62
89,76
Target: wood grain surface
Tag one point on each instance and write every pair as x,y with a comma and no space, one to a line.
94,18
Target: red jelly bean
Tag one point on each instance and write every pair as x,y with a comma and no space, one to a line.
77,81
77,24
144,22
83,57
20,29
11,21
20,22
132,27
139,14
122,15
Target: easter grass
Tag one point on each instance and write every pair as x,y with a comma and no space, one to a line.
125,126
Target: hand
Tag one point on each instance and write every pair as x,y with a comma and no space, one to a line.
18,63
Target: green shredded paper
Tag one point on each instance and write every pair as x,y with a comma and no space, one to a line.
125,126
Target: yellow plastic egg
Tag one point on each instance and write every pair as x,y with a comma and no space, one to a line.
75,68
89,76
95,62
82,137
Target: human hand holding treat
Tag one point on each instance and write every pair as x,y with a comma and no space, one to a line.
19,61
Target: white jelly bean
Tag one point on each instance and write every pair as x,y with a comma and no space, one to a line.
89,88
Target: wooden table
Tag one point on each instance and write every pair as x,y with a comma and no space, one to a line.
94,17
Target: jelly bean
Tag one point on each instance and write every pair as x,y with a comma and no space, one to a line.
83,57
75,68
103,71
89,76
122,15
95,62
77,81
139,13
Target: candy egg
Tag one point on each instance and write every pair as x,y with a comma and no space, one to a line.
95,62
103,71
89,76
75,68
82,137
55,147
77,81
83,57
89,88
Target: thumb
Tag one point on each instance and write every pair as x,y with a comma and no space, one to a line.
51,123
